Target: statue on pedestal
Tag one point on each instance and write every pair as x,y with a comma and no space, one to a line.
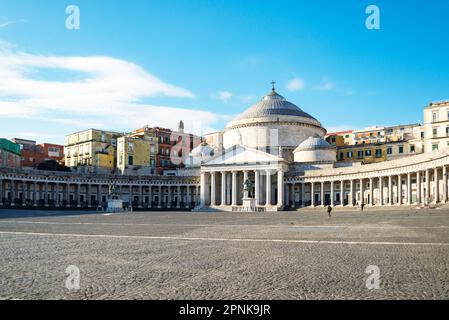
248,188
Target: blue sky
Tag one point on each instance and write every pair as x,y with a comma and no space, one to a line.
156,62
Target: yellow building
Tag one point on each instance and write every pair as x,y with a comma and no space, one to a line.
92,150
136,154
340,139
367,153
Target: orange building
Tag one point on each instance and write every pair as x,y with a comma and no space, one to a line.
34,154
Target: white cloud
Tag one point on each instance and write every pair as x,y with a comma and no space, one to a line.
325,85
6,23
296,84
107,93
224,96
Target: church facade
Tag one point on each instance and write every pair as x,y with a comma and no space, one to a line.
280,150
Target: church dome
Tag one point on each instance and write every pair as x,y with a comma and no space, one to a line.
273,105
271,123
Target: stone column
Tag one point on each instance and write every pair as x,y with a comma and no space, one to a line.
293,195
287,193
67,194
24,196
99,193
322,193
12,192
131,195
362,191
444,200
342,193
46,194
399,188
57,194
409,189
169,200
245,177
371,192
390,190
280,188
1,192
188,200
213,192
34,193
159,205
223,188
89,190
312,194
427,193
78,195
436,198
332,194
234,188
303,194
150,197
140,196
178,202
351,196
418,188
203,189
257,187
381,191
268,191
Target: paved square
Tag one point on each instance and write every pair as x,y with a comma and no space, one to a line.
177,255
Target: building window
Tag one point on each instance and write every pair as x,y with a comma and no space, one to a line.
401,149
390,151
447,131
412,148
378,153
368,153
360,154
350,154
434,117
434,147
341,156
435,132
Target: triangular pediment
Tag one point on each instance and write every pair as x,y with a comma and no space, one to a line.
242,155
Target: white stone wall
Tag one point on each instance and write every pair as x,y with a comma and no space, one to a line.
274,135
315,156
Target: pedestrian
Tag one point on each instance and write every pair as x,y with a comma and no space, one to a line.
362,206
329,211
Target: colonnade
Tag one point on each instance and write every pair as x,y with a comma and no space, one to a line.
16,191
421,187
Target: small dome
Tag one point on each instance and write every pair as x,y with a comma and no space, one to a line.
314,143
199,154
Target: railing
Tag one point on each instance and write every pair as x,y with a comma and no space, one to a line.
89,175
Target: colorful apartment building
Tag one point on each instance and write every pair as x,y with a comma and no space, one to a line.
136,154
34,154
173,147
92,150
436,126
10,156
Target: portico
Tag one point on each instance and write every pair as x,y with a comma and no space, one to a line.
223,178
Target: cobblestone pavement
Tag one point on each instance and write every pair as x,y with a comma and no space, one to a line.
174,255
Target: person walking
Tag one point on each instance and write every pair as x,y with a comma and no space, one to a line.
329,211
362,206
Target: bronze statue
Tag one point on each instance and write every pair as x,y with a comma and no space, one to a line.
248,188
